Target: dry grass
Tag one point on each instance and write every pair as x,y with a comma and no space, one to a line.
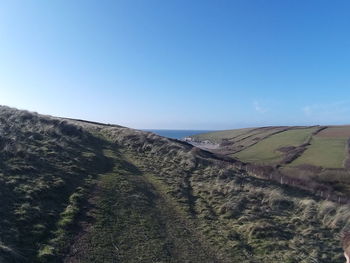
335,132
159,200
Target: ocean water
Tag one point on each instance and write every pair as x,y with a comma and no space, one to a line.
177,134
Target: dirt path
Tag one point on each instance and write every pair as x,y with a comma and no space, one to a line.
128,220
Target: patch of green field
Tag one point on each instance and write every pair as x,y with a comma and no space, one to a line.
217,136
265,151
252,137
324,152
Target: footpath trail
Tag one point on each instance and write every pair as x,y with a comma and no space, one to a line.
129,221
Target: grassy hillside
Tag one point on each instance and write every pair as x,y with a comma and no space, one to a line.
324,152
270,150
335,132
218,136
46,164
310,157
233,141
325,147
75,191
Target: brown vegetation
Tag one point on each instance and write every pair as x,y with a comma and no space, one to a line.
335,132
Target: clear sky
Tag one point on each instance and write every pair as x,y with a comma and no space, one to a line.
186,64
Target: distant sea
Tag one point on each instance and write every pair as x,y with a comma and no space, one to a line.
177,134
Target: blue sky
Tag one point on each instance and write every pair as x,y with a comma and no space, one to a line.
185,64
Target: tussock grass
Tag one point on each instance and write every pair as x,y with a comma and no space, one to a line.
277,200
42,163
149,199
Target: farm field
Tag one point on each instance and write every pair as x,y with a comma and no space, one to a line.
324,151
266,151
217,136
253,133
335,132
233,141
314,153
254,136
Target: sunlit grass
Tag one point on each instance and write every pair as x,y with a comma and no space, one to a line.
266,151
217,136
324,152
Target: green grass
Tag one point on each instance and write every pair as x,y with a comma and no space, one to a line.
216,137
82,192
232,141
251,138
241,219
133,222
125,223
324,152
265,151
257,133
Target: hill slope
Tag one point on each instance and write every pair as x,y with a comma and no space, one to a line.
315,155
76,191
